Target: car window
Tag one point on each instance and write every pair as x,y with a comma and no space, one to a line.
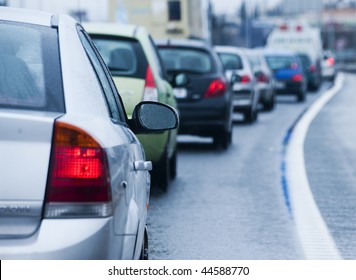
186,59
281,62
123,56
115,106
30,76
305,60
231,61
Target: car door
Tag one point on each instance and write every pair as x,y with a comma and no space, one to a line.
133,196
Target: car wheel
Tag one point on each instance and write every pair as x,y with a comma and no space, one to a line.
223,140
161,172
269,105
301,96
255,115
249,116
144,251
173,165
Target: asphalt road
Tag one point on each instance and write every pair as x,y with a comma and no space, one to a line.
231,205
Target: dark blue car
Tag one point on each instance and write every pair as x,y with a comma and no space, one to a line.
288,73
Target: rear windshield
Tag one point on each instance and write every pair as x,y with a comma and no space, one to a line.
186,59
281,62
30,76
123,56
231,61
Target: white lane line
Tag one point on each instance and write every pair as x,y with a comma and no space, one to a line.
314,235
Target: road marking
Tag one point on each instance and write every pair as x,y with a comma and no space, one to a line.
312,230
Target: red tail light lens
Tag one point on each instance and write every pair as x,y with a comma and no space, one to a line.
312,68
283,27
297,78
263,78
79,182
215,89
150,91
245,79
330,61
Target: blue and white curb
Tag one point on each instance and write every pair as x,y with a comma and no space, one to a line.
312,230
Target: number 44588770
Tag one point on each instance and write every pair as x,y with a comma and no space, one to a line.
229,270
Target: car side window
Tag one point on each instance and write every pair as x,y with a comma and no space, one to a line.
117,112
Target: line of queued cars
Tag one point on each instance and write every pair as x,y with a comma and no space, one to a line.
89,118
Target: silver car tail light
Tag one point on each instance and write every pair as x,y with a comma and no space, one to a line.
79,181
150,91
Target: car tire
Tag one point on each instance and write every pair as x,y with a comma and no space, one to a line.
223,140
144,250
269,105
161,172
173,165
249,116
301,96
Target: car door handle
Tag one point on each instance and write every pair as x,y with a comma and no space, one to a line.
142,165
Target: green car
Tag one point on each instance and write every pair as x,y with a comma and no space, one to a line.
136,67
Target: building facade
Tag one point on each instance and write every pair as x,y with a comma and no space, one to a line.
165,18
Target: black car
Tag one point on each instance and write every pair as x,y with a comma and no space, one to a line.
200,87
312,70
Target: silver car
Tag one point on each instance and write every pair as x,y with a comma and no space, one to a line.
239,70
329,70
265,78
74,179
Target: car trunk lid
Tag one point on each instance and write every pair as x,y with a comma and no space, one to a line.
197,86
25,148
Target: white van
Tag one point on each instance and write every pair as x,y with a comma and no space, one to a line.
304,40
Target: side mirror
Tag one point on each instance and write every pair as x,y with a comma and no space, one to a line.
153,117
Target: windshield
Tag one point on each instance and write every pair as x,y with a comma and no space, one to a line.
231,61
29,70
281,62
123,56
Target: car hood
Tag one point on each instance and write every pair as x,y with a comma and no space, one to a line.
25,148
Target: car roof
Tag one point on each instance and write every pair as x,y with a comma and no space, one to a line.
279,52
183,43
230,49
26,16
116,29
